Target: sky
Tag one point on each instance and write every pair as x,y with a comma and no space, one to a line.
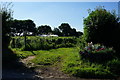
56,13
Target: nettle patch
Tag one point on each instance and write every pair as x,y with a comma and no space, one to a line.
97,53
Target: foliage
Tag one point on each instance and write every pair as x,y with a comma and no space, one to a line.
43,43
6,14
68,31
44,29
114,66
97,53
65,28
81,42
57,32
100,27
19,26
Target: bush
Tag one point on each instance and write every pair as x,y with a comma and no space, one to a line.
43,43
114,66
97,53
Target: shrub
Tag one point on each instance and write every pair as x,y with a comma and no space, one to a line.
97,53
114,66
43,43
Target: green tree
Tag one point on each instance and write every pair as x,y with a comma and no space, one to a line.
44,29
19,26
79,34
57,32
73,32
100,26
65,29
68,31
116,38
6,13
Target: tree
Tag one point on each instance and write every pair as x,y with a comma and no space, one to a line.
44,29
57,32
68,31
79,34
65,29
19,26
29,25
16,27
6,14
100,26
73,32
116,38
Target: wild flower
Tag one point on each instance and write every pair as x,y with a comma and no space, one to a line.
96,51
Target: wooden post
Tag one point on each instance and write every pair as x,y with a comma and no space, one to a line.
25,33
13,43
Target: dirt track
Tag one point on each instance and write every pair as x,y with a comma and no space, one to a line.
20,72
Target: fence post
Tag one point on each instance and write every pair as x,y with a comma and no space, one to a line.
13,43
25,33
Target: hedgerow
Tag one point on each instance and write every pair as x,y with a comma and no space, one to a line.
42,43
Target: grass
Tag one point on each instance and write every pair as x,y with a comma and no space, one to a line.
53,56
71,63
22,54
50,57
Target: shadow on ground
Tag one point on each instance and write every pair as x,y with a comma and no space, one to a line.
12,69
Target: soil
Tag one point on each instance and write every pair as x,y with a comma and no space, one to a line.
45,71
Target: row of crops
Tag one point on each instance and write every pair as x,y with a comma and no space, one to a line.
42,43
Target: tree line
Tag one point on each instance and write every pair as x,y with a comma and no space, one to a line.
19,26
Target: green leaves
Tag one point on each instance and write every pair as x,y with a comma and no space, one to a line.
6,13
43,43
44,29
100,26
